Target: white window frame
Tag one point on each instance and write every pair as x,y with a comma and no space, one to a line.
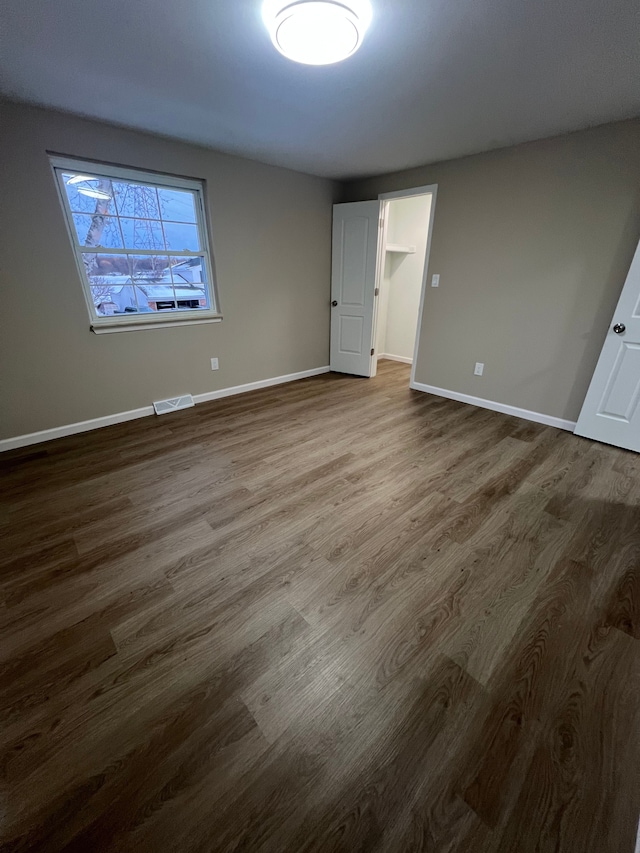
135,322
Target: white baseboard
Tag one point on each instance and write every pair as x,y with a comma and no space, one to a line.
538,417
72,429
261,383
121,417
401,358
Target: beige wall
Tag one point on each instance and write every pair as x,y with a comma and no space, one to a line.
407,224
532,244
271,232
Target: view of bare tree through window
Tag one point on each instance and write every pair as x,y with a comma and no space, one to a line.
140,244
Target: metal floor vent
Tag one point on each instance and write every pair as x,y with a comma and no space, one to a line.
174,404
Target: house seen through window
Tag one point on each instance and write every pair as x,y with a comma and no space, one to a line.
141,244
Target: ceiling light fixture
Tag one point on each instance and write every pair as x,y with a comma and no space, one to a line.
88,185
317,32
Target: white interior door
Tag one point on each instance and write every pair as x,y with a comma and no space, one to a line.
611,410
354,272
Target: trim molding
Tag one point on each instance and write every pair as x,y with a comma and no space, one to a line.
526,414
107,328
401,358
407,193
72,429
120,417
261,383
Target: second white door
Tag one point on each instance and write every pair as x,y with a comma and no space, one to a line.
356,247
611,410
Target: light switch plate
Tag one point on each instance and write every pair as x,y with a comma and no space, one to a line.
435,281
479,368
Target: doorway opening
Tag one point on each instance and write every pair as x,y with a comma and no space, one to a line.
379,267
406,227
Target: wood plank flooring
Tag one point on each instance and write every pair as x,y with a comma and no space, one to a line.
336,615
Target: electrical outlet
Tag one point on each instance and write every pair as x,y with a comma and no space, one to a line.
214,364
479,368
435,281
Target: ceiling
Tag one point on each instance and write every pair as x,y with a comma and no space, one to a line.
434,79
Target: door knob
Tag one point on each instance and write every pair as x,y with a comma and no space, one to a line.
619,328
335,303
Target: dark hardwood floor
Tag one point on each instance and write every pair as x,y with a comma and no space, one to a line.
336,615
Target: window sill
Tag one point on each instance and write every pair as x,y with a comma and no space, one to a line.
104,327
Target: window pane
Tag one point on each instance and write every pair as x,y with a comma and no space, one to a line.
181,238
160,296
142,234
136,200
86,191
113,268
77,202
106,230
188,271
117,299
150,268
177,205
189,281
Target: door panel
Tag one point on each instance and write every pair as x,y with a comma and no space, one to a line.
620,399
353,283
611,410
351,334
355,238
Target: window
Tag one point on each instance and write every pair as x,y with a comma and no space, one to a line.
140,241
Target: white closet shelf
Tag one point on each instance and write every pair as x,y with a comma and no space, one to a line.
396,247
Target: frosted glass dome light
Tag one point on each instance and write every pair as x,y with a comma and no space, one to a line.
316,32
88,185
